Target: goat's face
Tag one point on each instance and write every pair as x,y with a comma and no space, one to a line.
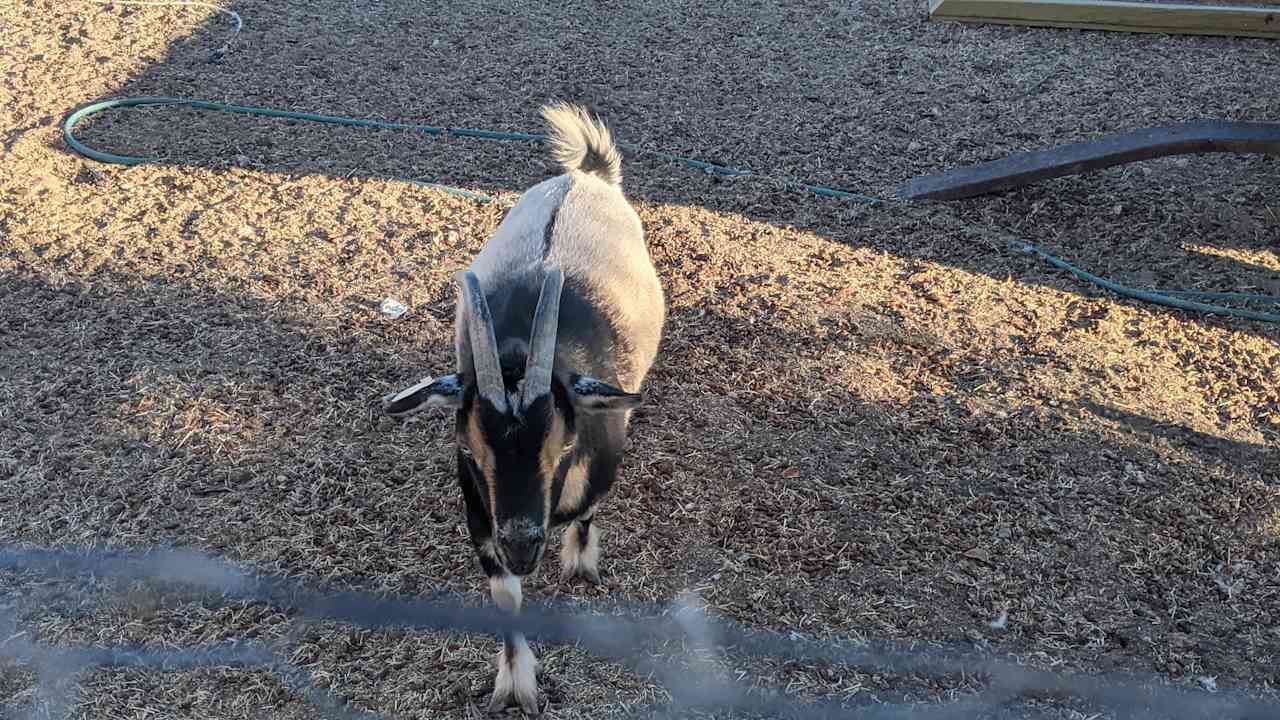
511,444
511,461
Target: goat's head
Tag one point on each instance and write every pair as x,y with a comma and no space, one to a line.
515,426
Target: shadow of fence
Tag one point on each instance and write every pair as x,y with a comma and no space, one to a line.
628,635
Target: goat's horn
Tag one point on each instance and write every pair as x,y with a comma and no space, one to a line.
484,345
542,345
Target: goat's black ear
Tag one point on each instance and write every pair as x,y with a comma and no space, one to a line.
444,392
591,394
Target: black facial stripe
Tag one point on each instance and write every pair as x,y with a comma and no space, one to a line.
490,564
478,524
519,495
472,481
517,450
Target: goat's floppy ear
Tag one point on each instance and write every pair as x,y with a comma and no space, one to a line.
445,392
590,394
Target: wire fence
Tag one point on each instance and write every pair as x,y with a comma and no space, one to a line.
624,634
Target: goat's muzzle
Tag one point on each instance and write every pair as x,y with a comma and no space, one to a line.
521,546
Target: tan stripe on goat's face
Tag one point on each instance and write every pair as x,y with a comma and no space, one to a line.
553,450
482,455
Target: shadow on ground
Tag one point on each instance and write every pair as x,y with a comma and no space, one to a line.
254,434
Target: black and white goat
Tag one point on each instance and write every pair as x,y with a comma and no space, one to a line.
558,322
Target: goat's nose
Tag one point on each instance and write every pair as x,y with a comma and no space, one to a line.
523,535
523,548
527,540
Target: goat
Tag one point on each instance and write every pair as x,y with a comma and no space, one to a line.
557,324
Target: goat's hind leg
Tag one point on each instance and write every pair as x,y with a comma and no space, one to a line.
580,551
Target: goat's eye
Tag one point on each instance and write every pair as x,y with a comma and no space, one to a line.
464,450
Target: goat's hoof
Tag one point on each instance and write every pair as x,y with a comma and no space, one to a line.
527,704
590,576
517,682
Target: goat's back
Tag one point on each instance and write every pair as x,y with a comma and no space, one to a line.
613,310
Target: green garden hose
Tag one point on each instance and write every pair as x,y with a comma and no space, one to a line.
1170,298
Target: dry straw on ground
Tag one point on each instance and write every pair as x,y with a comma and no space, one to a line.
863,423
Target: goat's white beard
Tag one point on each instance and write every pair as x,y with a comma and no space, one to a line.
506,593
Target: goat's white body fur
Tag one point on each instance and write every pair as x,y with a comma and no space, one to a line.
597,239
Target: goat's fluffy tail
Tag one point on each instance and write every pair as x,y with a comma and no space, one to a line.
580,141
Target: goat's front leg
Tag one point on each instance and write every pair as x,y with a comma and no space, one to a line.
517,682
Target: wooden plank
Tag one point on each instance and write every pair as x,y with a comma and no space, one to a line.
1026,168
1234,20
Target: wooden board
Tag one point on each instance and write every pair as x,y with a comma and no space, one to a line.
1026,168
1236,20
